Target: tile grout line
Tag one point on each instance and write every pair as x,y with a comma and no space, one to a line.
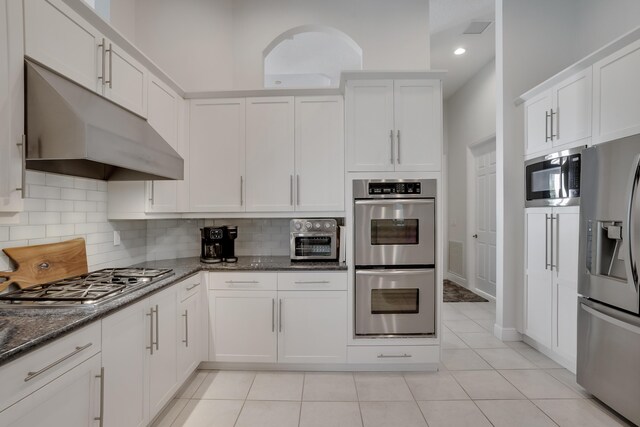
355,385
245,399
304,378
414,399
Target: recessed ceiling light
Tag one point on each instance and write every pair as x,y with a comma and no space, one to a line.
459,51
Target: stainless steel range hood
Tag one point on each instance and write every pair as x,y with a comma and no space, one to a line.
74,131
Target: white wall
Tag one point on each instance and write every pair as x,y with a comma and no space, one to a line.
535,40
122,15
469,117
218,44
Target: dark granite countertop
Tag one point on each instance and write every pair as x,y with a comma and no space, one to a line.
26,329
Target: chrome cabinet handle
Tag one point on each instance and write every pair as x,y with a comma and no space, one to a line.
551,244
101,416
31,375
291,190
157,328
389,356
546,126
153,192
23,173
391,141
557,113
546,242
313,282
241,190
150,314
104,65
110,81
398,144
297,189
240,282
273,314
551,120
192,287
280,315
186,328
555,218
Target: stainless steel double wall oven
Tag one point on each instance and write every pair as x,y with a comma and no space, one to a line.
394,230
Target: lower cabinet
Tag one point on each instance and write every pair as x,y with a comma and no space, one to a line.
265,322
190,334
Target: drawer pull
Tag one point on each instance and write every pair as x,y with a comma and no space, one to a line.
313,282
242,282
391,356
192,286
32,375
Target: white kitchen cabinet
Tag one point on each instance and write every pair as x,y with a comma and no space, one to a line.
394,125
217,155
190,336
616,95
319,153
561,116
127,339
551,278
11,107
70,400
312,326
270,154
125,82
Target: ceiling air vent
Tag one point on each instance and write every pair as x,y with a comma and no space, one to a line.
477,27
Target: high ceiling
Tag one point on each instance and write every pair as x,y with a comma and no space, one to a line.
448,21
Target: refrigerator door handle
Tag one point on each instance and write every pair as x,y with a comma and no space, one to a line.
632,216
610,319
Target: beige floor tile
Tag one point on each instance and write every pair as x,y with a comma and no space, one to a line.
453,314
374,386
477,313
511,413
538,359
465,359
537,384
225,385
505,358
209,413
277,386
568,379
486,385
434,386
453,414
329,387
463,326
330,414
391,414
487,324
517,344
578,413
170,413
451,340
188,390
269,414
481,340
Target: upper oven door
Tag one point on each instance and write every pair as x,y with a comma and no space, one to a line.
394,232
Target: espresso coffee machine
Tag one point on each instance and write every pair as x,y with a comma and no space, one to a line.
229,235
212,247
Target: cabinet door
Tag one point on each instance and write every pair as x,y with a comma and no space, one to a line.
163,364
126,80
71,400
243,326
616,90
565,301
217,155
369,125
125,351
270,154
572,109
537,124
189,336
163,104
319,151
538,292
11,105
312,326
60,39
418,125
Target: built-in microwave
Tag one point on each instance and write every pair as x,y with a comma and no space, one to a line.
554,179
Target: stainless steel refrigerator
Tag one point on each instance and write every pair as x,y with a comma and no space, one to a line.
608,362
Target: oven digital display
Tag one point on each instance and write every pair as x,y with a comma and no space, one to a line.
394,232
395,301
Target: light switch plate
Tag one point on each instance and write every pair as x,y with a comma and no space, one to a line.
116,238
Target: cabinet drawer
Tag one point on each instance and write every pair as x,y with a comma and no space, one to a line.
190,286
316,281
392,355
28,373
242,280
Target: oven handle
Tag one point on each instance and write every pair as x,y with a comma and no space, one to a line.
412,272
394,201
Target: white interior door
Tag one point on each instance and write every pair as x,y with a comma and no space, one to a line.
485,233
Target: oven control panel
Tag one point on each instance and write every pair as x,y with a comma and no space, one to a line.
392,188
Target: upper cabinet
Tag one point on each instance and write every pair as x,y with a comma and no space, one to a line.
12,152
560,116
59,38
394,125
616,94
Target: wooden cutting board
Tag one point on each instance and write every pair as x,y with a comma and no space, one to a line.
45,263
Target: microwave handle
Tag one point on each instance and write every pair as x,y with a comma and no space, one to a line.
394,201
412,272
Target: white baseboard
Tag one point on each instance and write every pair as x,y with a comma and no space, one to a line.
483,294
564,362
457,279
333,367
506,334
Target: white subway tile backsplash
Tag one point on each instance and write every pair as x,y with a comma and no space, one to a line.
59,205
73,194
37,178
86,228
73,217
60,230
44,218
80,206
44,241
23,232
99,238
97,216
61,181
4,234
34,204
97,196
85,184
43,192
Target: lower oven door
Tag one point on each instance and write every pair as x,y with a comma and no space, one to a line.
395,302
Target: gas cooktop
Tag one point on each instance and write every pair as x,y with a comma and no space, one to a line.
88,289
